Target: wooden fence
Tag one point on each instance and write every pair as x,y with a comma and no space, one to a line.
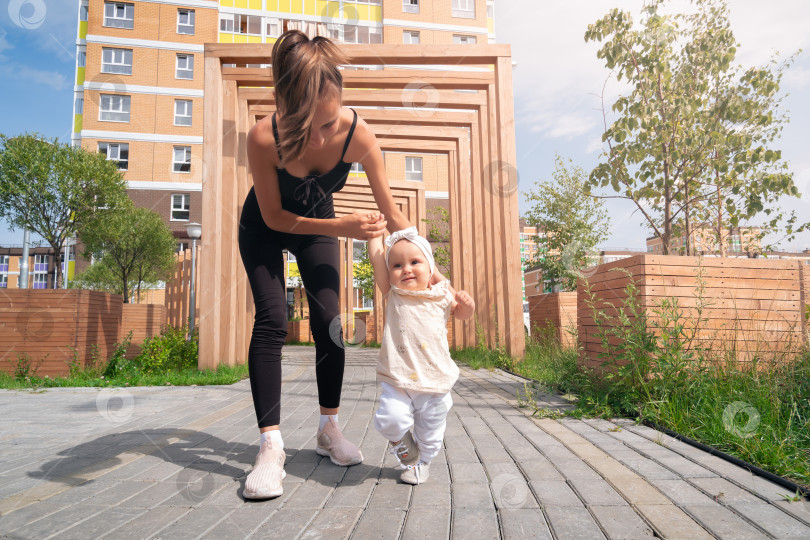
752,307
55,326
557,309
178,290
144,320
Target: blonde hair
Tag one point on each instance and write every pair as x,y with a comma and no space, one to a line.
304,72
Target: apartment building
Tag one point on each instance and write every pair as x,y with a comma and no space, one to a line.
737,240
41,266
138,95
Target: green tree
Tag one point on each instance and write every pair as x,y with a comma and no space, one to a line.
133,244
364,273
571,222
54,189
439,234
691,146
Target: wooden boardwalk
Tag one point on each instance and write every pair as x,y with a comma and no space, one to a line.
170,462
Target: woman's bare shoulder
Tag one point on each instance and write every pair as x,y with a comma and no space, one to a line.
261,136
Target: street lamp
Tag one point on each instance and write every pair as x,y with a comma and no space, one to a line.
194,231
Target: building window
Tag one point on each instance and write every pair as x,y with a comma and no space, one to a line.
4,263
41,263
117,61
185,21
410,6
181,162
78,106
464,40
119,15
464,8
240,24
413,169
184,68
81,59
357,168
116,152
40,281
182,112
409,37
180,206
83,12
3,281
273,27
113,108
181,246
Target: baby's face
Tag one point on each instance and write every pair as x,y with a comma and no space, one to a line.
407,266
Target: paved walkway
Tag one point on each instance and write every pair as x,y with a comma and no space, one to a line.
170,462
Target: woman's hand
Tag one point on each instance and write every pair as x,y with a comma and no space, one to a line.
363,225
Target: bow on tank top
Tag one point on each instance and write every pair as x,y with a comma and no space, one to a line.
311,196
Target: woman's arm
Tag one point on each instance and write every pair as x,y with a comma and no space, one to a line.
376,255
263,160
367,152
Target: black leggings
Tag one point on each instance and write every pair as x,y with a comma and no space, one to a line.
318,259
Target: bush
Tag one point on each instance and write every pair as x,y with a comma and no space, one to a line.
168,351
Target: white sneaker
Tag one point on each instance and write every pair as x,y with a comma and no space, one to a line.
264,481
416,474
406,450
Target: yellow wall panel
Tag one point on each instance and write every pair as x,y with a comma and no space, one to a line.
321,8
284,6
80,76
82,29
297,6
272,5
375,13
225,38
491,25
311,7
255,4
226,3
362,12
254,39
240,4
239,38
77,123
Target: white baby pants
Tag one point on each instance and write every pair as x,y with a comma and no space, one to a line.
425,412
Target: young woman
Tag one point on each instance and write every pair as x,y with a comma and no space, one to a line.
299,157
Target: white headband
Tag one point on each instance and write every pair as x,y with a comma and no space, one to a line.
412,236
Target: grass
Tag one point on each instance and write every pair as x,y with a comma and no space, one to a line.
757,411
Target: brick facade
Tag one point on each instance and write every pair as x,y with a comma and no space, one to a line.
160,201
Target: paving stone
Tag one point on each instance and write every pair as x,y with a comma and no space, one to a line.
621,522
773,520
351,496
571,522
471,495
478,523
637,491
27,514
682,493
797,509
685,468
309,495
395,496
152,496
520,523
467,472
58,521
555,493
332,523
596,492
118,493
426,523
379,523
649,469
723,523
671,522
724,491
148,523
290,524
540,470
430,495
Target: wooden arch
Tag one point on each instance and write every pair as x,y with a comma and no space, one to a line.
474,129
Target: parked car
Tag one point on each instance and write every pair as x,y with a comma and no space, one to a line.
526,322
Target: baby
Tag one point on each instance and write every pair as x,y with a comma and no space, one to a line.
415,368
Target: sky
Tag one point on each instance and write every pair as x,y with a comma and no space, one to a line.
557,83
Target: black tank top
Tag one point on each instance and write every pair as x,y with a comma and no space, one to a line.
311,196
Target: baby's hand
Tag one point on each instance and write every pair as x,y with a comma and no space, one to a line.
465,306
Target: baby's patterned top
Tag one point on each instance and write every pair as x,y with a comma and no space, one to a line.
415,354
